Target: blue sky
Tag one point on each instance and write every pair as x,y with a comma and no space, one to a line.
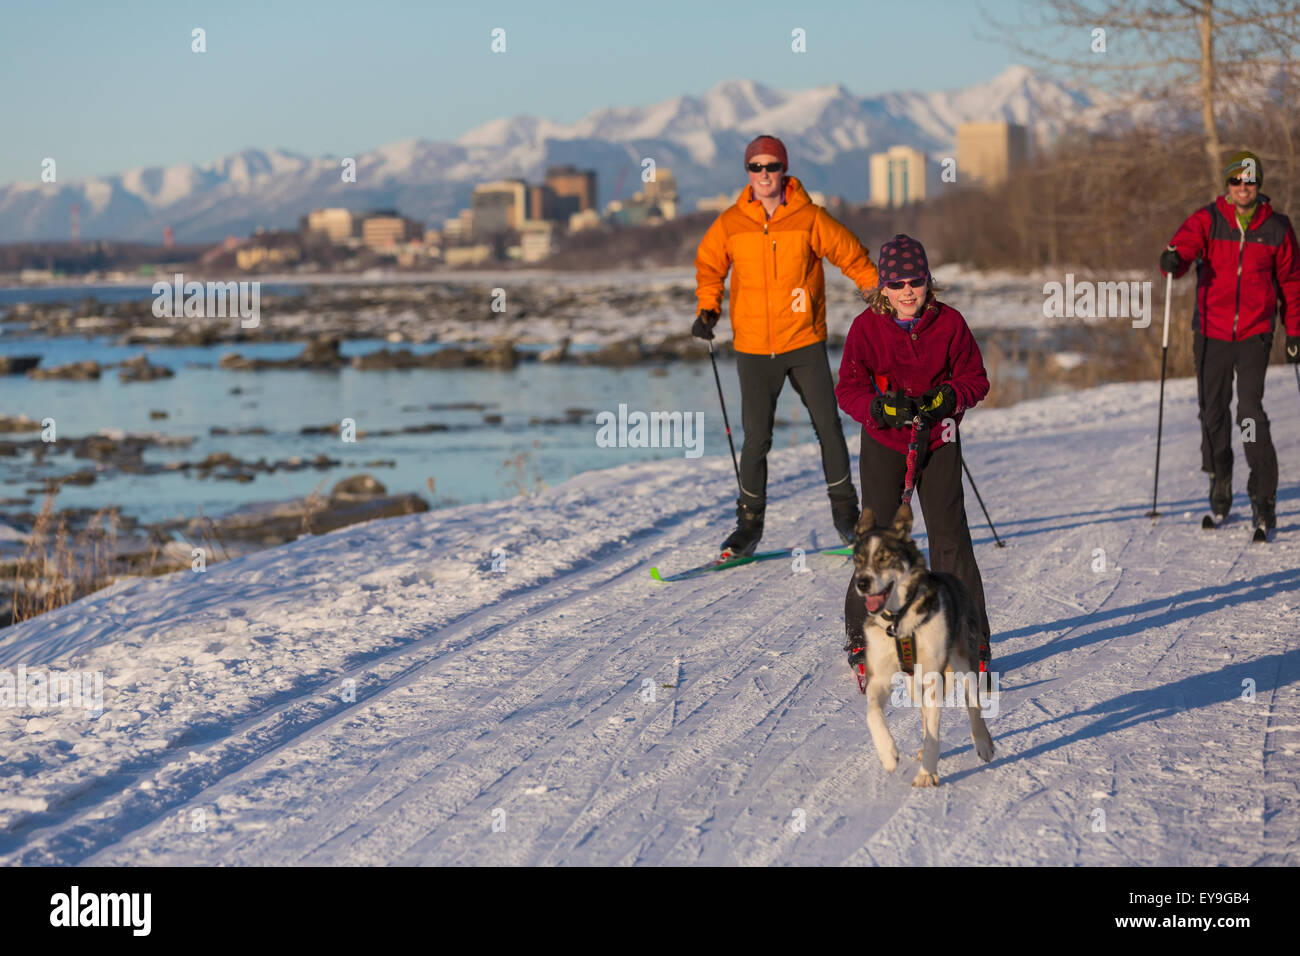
104,86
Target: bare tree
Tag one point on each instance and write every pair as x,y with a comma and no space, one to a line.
1157,60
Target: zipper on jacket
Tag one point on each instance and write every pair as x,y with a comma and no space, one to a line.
1241,253
767,305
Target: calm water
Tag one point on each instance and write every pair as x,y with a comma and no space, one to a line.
12,295
468,463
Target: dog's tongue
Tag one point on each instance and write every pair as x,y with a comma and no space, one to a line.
875,602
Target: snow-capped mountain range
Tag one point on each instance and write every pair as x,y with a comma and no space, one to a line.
829,131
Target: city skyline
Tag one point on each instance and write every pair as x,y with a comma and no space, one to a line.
337,83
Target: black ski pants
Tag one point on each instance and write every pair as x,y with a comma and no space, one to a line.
761,380
883,472
1216,360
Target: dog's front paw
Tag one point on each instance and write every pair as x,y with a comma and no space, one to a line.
983,747
923,779
889,760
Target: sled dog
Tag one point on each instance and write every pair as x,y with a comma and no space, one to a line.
921,623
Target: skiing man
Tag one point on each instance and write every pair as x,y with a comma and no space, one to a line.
1248,266
774,238
908,355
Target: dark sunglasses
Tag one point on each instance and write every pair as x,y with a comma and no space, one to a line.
768,168
1237,181
914,283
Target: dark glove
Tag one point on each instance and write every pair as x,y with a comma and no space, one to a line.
704,323
894,410
938,403
1293,349
1170,261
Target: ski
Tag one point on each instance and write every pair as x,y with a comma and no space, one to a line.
725,561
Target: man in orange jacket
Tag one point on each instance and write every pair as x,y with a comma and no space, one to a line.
775,239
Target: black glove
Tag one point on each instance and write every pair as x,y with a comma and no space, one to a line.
1170,261
938,403
704,323
894,410
1293,349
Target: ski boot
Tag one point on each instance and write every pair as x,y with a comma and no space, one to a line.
856,647
749,529
844,512
1220,497
985,665
1263,517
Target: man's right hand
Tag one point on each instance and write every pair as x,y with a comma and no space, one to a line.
894,410
704,323
1170,261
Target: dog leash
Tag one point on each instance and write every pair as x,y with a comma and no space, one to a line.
913,450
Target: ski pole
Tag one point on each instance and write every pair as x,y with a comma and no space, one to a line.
974,488
1160,421
721,401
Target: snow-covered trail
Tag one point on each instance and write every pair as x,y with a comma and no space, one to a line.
503,717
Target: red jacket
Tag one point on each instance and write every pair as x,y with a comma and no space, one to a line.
1241,280
879,356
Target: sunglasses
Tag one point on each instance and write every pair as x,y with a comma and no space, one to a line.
1237,181
913,283
765,168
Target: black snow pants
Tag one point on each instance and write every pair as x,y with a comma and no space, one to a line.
883,472
761,380
1216,360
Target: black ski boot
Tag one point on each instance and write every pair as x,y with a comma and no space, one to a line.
1263,518
749,529
1220,496
1263,511
856,648
986,665
844,512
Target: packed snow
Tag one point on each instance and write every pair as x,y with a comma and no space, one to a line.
505,684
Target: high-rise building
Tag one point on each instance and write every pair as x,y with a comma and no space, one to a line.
662,192
575,189
988,153
541,202
337,224
498,207
897,176
384,229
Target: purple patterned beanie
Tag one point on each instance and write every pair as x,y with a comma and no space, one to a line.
903,258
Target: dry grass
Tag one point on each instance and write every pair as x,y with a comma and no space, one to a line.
57,568
520,480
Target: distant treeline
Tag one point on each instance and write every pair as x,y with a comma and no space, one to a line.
92,255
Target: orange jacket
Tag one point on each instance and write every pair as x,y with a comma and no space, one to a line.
778,289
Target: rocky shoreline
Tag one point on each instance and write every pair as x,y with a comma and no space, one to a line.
474,326
85,549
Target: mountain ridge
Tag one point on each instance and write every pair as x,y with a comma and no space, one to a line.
829,131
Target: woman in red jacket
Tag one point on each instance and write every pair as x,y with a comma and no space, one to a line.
909,354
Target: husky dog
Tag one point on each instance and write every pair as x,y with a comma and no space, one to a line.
926,617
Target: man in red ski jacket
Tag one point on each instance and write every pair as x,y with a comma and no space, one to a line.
1247,271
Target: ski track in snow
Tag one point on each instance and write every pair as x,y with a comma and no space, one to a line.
506,718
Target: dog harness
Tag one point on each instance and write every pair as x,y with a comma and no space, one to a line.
905,646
